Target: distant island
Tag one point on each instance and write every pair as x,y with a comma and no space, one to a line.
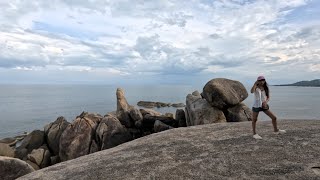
313,83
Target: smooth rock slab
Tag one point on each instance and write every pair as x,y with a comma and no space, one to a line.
211,151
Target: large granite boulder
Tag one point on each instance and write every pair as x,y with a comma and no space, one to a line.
123,109
111,133
212,151
76,139
12,168
238,113
199,111
6,150
53,133
223,93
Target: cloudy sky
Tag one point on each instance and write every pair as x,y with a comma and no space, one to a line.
158,41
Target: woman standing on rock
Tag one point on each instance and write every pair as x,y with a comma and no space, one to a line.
261,99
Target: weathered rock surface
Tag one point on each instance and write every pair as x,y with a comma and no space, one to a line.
12,168
199,111
111,132
213,151
6,150
238,113
53,133
123,109
223,93
76,139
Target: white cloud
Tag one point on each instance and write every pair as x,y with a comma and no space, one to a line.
164,37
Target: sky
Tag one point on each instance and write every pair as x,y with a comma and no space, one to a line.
158,41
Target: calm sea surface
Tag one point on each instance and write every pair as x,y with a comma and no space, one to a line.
28,107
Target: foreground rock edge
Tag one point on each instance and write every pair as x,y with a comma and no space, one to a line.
206,151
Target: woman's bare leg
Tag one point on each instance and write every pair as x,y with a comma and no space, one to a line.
254,121
274,119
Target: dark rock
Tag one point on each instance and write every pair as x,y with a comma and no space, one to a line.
147,104
12,168
160,126
149,111
199,111
53,133
76,139
223,93
34,140
54,160
148,121
111,133
178,105
238,113
94,147
181,118
21,153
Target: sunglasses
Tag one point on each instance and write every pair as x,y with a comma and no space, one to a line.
262,80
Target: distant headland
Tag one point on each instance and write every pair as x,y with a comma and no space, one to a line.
312,83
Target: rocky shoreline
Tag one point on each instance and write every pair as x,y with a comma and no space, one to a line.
220,102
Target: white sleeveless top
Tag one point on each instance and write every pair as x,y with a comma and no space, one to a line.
259,97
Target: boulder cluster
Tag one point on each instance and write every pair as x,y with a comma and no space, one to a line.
61,140
220,101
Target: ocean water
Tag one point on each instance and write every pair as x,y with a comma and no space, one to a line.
24,108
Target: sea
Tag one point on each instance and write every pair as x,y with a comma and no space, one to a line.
24,108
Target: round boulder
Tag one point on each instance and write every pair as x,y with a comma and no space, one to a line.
12,168
223,93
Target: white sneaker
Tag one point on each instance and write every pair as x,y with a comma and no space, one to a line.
256,136
280,131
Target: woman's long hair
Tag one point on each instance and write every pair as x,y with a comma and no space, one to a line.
266,88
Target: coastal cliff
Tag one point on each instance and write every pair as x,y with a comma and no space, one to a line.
210,151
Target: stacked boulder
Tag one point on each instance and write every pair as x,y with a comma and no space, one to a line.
220,101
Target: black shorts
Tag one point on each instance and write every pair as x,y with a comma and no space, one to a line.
254,109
